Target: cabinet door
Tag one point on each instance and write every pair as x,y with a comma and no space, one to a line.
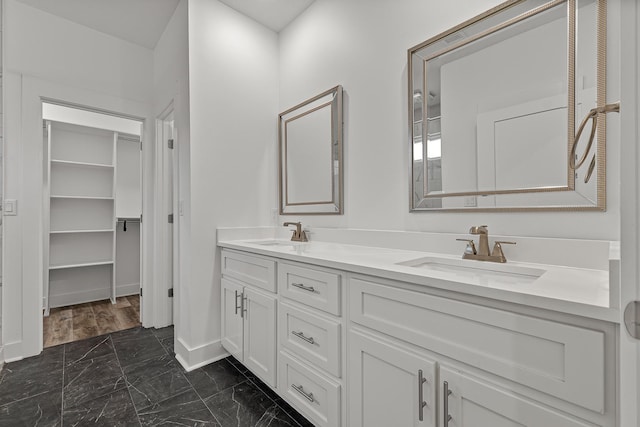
473,403
232,318
389,384
260,335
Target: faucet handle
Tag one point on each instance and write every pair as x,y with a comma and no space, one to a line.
471,246
497,250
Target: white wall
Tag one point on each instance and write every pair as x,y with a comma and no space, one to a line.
46,46
171,88
336,42
1,176
49,56
233,83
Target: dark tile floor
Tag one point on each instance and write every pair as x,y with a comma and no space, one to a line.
131,378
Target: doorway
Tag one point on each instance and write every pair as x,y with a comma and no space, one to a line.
92,239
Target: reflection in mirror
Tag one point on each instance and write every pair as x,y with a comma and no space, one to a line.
311,155
493,106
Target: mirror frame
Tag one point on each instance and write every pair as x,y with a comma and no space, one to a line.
329,98
601,54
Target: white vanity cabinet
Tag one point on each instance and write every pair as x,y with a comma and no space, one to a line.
390,385
249,312
310,341
501,368
393,385
358,350
470,402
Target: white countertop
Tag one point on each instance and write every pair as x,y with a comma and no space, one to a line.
579,291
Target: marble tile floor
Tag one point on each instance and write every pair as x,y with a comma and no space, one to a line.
131,378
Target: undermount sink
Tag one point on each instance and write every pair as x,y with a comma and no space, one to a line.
478,270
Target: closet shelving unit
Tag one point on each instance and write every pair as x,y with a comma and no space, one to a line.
80,187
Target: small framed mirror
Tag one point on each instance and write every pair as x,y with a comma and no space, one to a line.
493,106
310,156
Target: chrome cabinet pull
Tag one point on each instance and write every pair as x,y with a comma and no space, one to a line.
243,310
300,335
238,307
303,287
446,415
421,402
299,389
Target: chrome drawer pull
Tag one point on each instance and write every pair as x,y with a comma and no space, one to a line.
446,415
300,335
299,389
421,402
303,287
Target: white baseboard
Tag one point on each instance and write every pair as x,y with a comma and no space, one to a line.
80,297
129,289
197,357
62,300
12,352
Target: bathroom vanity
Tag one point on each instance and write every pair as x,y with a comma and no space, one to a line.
367,334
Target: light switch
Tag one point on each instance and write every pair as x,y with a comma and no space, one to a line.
10,207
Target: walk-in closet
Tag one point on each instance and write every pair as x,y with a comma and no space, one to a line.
92,232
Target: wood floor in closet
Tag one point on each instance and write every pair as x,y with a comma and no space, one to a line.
77,322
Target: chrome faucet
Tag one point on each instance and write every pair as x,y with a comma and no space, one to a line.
482,253
298,234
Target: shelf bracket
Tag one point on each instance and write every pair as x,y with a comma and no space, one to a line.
170,292
170,143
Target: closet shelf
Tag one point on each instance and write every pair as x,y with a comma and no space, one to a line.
86,164
109,230
81,197
80,265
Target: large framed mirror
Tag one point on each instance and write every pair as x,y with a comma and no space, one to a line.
310,156
493,106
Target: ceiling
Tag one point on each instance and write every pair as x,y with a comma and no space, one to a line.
273,14
137,21
143,21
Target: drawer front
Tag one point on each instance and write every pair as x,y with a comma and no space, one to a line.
564,361
311,393
253,270
312,337
316,288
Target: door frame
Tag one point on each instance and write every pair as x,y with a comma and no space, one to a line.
165,307
23,244
629,348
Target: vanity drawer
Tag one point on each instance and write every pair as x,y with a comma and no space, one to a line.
314,287
250,269
311,393
561,360
312,337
